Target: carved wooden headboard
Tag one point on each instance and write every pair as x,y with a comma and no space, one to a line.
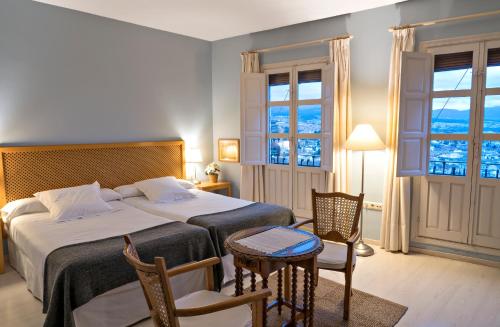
26,170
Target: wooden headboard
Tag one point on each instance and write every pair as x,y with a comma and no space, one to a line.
27,170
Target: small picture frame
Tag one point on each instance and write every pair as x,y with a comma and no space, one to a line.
229,150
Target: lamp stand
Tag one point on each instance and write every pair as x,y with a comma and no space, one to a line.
195,180
362,249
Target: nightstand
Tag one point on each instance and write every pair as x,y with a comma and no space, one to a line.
211,187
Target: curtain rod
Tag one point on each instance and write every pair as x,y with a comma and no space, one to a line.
300,44
445,20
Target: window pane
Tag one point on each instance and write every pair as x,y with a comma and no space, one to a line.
309,90
490,159
491,114
450,115
279,119
448,158
309,152
279,151
493,76
309,119
279,87
309,84
460,79
453,71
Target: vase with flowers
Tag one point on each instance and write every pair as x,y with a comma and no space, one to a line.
213,171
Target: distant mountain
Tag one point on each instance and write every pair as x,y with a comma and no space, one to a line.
454,114
492,114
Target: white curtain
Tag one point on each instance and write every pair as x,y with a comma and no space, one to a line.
340,56
395,231
252,177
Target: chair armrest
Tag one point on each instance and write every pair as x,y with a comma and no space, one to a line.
297,225
353,238
193,266
228,304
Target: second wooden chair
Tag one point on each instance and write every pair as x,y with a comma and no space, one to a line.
335,220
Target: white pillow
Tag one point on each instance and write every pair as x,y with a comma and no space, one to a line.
163,189
73,202
21,207
185,183
128,191
108,194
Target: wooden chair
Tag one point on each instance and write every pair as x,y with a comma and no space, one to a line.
335,219
202,308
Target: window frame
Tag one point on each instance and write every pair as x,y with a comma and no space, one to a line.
470,93
293,68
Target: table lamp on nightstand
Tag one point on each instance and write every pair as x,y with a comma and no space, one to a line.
193,156
363,138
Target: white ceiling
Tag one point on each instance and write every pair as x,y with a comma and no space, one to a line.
218,19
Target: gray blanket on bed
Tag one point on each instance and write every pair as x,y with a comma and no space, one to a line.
75,274
222,224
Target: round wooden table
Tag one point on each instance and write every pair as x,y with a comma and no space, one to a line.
303,254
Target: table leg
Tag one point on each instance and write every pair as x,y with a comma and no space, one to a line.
293,318
306,296
253,284
264,285
312,285
280,290
239,281
287,283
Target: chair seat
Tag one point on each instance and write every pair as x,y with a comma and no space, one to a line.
238,317
334,256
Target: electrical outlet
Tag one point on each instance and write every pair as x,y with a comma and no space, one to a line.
377,206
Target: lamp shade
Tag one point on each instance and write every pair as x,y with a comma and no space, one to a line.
193,155
364,138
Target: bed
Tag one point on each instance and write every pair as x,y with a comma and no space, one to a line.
220,215
61,262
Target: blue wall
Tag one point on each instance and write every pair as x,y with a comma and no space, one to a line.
71,77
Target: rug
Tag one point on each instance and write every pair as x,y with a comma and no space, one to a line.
366,309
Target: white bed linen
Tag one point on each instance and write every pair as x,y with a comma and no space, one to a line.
203,204
121,306
37,235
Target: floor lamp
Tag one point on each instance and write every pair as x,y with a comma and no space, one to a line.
363,138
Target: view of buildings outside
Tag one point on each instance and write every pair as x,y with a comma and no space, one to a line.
449,116
308,122
452,116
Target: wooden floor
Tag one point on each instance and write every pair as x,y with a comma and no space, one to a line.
437,291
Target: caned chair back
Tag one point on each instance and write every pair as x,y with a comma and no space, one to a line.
155,284
336,215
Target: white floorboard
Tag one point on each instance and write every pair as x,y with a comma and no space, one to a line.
437,291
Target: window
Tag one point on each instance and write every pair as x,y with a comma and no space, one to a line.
278,118
451,113
490,146
294,122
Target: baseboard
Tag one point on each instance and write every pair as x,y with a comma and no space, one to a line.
371,241
454,256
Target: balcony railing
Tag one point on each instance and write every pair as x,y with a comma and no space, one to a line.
459,168
303,161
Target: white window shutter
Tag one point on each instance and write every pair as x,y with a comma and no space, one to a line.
327,76
253,118
414,112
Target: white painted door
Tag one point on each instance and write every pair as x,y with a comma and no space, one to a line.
446,189
295,113
460,194
485,222
278,171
